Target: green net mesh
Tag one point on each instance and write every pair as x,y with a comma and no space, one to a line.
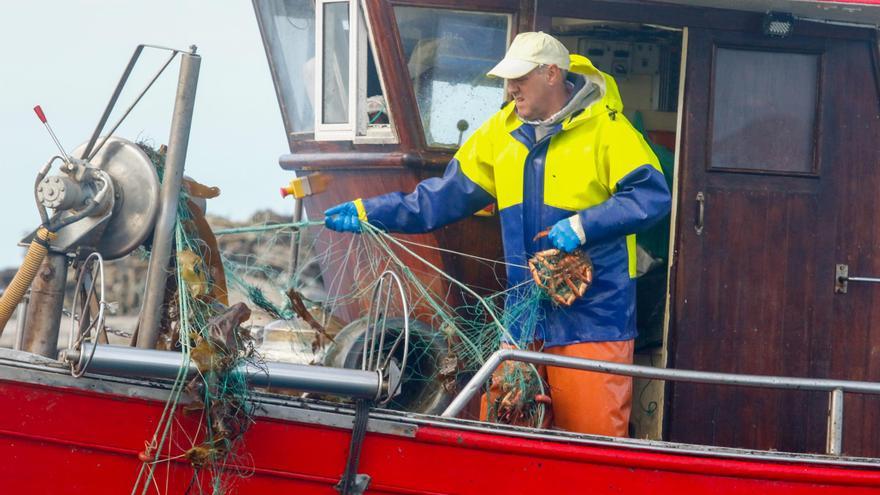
315,313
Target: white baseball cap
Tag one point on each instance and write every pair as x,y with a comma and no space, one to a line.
529,50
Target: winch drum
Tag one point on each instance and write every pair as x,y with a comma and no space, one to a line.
136,185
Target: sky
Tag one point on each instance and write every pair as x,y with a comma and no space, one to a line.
67,56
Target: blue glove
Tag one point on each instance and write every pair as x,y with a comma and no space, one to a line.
563,237
343,218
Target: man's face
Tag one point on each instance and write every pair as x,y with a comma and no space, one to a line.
533,92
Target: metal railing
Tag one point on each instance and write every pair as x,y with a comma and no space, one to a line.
835,388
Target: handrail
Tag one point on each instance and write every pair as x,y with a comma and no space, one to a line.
836,388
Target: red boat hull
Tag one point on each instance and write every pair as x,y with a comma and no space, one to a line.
56,439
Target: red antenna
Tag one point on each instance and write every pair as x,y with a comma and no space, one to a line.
42,116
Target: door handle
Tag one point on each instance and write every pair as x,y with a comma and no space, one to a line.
842,279
701,211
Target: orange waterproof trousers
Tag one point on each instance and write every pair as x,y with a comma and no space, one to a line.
583,401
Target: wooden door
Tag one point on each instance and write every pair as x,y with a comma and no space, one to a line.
779,182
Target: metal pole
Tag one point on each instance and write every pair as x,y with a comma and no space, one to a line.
21,320
131,107
115,96
777,382
295,237
43,315
834,442
163,235
149,363
475,384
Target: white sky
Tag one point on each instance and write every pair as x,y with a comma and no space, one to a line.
68,56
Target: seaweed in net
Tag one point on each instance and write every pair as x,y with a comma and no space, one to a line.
208,332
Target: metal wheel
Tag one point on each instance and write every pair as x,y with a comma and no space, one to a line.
376,355
382,332
87,311
419,390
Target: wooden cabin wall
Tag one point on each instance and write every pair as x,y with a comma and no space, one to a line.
474,235
755,291
850,348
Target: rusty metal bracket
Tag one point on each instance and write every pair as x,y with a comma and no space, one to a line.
841,277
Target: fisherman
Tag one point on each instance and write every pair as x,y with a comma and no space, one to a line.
561,156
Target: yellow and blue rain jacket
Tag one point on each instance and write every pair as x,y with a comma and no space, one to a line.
592,164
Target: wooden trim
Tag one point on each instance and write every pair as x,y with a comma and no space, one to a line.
525,17
651,12
820,113
634,11
400,95
375,160
875,59
500,6
683,225
300,137
681,209
540,20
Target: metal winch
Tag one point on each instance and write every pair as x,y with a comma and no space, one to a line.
106,204
103,207
102,202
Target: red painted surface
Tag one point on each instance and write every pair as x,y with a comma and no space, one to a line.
663,138
60,440
863,2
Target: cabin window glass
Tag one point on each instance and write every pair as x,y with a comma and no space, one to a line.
336,58
448,53
347,83
289,28
764,111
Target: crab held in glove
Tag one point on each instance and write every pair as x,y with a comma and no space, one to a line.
563,276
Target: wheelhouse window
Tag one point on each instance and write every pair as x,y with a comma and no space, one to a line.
289,30
448,53
347,83
759,125
325,74
335,56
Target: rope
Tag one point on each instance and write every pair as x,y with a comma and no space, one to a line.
448,277
264,228
160,436
299,225
460,253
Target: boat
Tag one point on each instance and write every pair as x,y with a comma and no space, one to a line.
755,301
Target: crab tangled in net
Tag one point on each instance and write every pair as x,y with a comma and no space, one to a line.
563,276
518,397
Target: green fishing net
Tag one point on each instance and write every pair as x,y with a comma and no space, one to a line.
316,312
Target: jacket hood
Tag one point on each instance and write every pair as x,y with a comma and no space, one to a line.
582,65
593,91
610,95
